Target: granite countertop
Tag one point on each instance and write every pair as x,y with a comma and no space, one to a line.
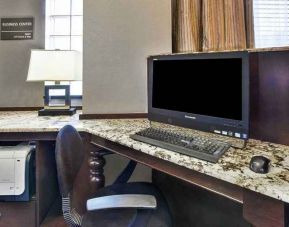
232,167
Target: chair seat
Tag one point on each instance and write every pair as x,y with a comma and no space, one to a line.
131,217
70,158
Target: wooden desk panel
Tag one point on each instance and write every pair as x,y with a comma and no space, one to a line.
264,211
209,183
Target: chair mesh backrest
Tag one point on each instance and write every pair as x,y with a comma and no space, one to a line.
69,154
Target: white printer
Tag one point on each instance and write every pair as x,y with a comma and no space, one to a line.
15,172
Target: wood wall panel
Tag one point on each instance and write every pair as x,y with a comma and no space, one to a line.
186,25
213,25
249,20
235,30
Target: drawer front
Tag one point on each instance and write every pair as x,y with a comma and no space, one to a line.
17,214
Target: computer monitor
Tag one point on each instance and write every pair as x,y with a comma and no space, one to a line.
203,91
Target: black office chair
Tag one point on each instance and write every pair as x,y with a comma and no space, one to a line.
121,204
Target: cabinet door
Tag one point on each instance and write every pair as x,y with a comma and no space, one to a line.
17,214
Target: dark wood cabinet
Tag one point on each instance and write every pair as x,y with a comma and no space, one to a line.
15,214
269,96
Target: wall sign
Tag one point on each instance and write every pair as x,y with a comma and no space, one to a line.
17,28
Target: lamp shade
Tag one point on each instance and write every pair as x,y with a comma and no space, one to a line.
55,65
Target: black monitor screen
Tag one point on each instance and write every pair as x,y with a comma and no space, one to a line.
211,87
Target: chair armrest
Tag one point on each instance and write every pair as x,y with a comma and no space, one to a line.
122,201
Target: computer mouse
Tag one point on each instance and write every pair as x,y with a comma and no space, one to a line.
259,164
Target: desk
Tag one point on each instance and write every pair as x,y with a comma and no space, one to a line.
264,196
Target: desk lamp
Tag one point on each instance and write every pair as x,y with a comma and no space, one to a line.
55,65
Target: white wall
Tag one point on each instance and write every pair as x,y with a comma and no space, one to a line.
14,57
118,36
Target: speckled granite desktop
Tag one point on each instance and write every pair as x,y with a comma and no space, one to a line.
232,167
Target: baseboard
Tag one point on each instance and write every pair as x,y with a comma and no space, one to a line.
28,108
20,108
112,116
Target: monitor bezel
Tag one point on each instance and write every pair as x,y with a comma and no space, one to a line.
206,123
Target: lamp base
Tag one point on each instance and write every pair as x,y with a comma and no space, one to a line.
56,112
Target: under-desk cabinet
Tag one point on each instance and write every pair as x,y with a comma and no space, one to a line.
15,214
32,213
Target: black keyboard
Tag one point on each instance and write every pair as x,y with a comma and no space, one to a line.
195,146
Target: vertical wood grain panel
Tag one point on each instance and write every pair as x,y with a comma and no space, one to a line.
248,5
235,32
174,19
213,25
186,25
